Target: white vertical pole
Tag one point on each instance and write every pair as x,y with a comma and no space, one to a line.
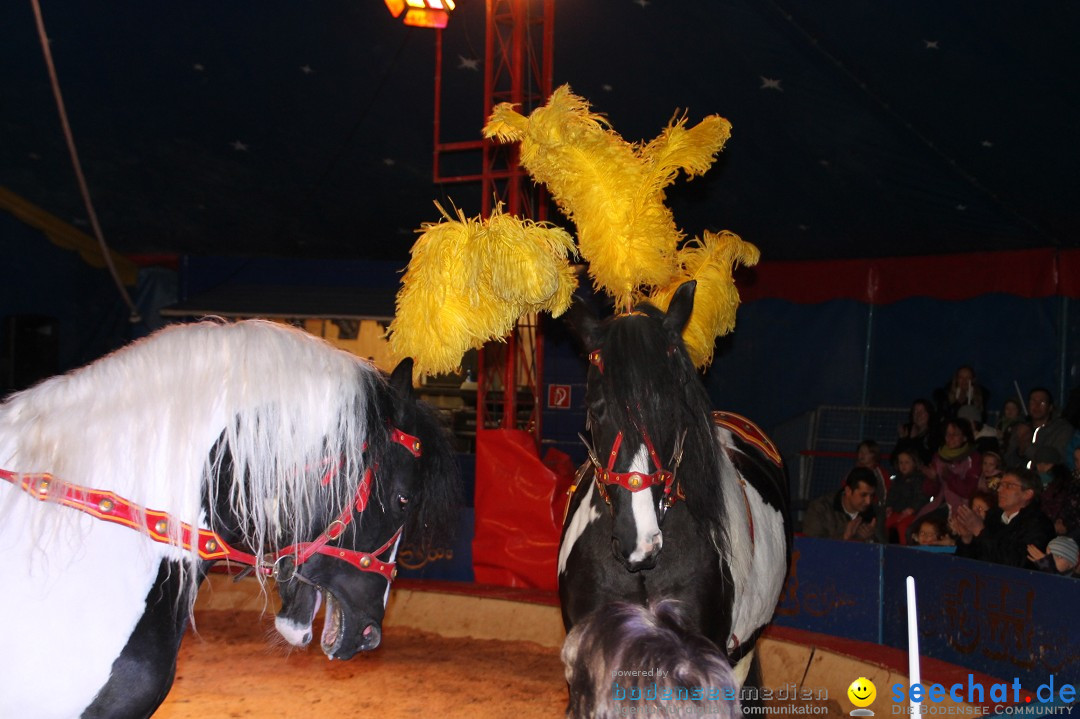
913,645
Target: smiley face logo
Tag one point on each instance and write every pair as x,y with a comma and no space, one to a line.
862,692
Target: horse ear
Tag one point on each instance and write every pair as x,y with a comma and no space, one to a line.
583,324
681,307
401,378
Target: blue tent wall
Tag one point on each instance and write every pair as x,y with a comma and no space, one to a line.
785,359
1014,317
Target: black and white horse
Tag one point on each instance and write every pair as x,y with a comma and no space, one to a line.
127,479
677,502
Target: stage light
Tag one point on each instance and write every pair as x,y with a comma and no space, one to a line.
422,13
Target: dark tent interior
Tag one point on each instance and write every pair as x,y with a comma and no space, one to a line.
259,150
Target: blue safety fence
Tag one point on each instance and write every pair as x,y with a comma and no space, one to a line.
1001,621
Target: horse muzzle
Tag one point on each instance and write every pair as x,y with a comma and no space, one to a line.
643,555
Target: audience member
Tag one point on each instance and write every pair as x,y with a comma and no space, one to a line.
1011,417
992,468
868,455
1041,430
1061,556
920,433
601,655
985,436
983,502
847,513
906,496
1061,492
932,531
962,391
954,472
1003,537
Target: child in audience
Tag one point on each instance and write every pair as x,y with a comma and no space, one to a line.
992,468
1061,556
932,531
983,502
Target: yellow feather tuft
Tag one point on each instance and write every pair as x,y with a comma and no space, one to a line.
468,282
612,190
506,124
712,264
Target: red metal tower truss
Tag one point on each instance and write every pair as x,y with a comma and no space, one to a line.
518,50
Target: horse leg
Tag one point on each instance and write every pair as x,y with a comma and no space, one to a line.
143,673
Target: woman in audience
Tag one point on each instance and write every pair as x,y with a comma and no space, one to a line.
954,471
920,433
963,391
906,496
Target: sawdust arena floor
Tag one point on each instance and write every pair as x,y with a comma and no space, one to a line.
235,666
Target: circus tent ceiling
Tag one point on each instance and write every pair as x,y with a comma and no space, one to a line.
304,129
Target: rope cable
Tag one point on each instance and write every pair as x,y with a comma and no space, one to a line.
106,253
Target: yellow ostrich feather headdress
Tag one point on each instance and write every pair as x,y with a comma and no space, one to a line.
614,193
469,280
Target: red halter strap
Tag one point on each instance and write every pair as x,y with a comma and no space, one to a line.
637,481
407,441
110,507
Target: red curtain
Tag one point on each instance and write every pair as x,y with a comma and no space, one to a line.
1025,273
519,505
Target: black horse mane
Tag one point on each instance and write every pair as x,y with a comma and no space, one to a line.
433,509
648,381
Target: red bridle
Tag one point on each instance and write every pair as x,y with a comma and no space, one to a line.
635,481
109,507
638,481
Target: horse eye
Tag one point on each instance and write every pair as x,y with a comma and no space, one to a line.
403,501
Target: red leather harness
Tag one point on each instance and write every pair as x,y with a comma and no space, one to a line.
158,526
634,481
638,481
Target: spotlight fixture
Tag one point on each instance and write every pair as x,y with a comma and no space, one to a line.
422,13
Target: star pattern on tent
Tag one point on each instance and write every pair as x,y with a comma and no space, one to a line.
960,207
769,83
606,87
306,69
389,161
642,3
987,143
931,44
468,63
198,67
239,146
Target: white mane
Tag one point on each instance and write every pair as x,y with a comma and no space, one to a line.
143,421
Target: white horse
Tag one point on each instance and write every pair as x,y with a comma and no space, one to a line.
127,478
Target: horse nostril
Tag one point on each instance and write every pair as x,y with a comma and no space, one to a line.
372,637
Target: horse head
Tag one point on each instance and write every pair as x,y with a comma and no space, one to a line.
645,405
409,490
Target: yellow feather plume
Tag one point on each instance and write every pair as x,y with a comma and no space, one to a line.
712,264
469,281
611,189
